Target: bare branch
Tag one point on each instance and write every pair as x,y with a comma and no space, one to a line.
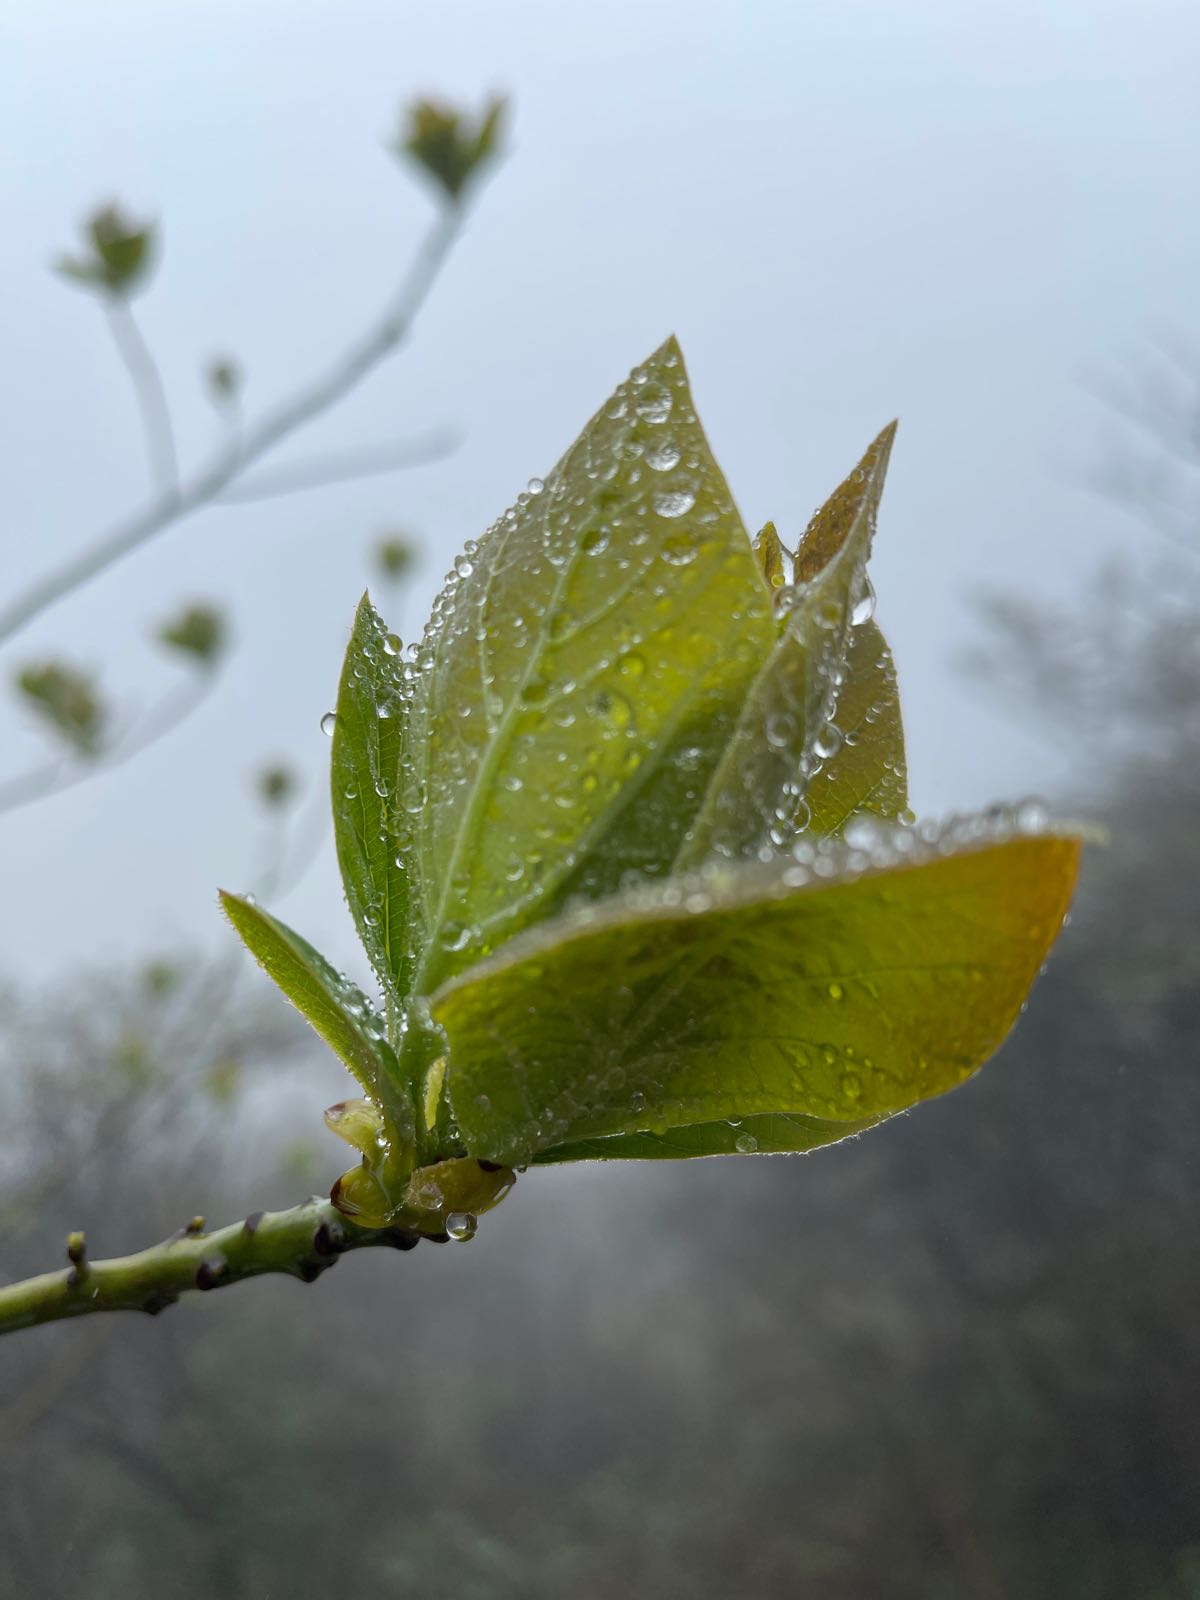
148,389
302,1242
204,487
321,471
57,776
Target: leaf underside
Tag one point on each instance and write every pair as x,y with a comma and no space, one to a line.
741,996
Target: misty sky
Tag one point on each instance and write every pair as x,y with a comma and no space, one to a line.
954,213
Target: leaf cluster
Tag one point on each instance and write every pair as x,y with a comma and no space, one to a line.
626,841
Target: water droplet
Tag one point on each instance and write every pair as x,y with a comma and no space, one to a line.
535,485
780,729
664,457
594,541
328,724
674,503
829,741
746,1144
654,405
455,936
1033,816
862,608
391,644
461,1225
463,567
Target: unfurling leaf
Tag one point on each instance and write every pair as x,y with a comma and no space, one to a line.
337,1011
449,145
198,633
119,255
626,841
67,698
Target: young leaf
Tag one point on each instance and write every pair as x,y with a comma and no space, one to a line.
820,990
774,1134
336,1010
869,772
756,798
370,826
608,622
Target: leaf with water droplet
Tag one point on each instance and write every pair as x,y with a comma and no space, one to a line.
713,997
525,684
752,802
337,1011
774,1134
869,772
371,830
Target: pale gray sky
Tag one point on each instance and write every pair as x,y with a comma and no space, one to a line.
944,211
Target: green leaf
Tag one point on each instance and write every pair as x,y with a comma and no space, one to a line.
869,772
842,987
337,1011
774,1134
756,799
769,552
370,827
584,671
67,698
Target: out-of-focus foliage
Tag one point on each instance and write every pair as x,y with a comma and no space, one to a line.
119,253
395,556
199,633
946,1362
449,145
68,699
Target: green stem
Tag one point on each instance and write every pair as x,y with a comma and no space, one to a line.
301,1242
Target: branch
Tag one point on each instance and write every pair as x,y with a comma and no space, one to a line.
301,1243
209,482
151,396
56,776
322,471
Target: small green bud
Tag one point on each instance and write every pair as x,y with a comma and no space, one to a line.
224,379
395,556
276,785
198,631
449,145
119,255
67,698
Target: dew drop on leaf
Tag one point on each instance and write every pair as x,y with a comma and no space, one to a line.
664,457
328,723
746,1144
829,741
674,502
862,608
461,1225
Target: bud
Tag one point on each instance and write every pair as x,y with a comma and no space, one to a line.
768,548
198,632
67,698
449,145
276,785
395,556
119,255
223,377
